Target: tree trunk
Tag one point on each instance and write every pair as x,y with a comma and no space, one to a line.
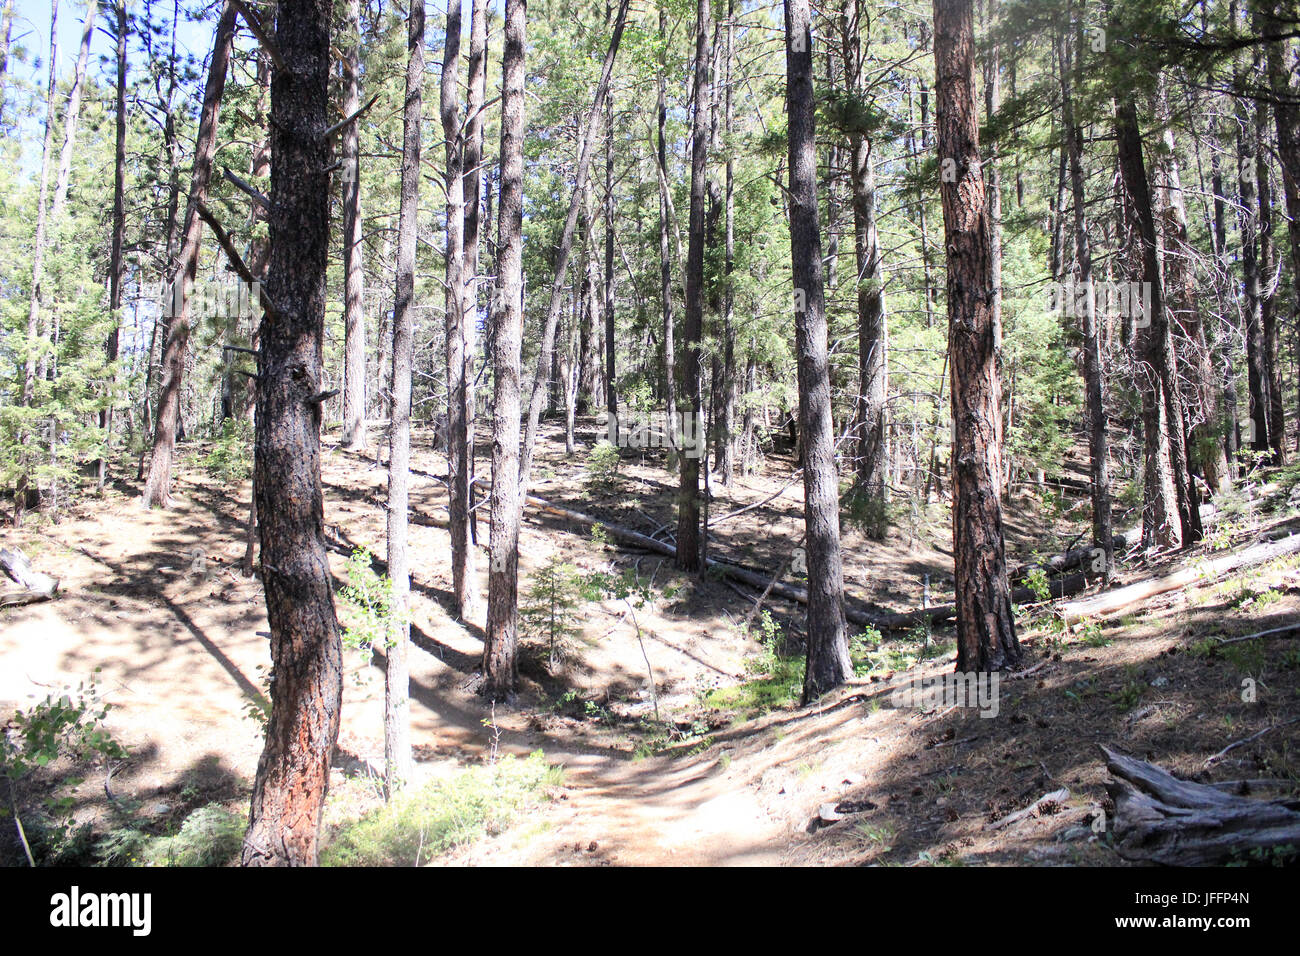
475,99
306,651
459,370
586,139
665,269
1157,348
1282,74
689,541
873,376
500,666
115,262
38,255
611,351
354,275
157,490
828,647
72,114
397,695
986,634
1093,370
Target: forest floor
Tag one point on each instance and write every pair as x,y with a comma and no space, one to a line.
731,772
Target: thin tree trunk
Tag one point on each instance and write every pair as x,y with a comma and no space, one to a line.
665,268
72,113
1157,355
459,371
688,496
157,490
354,274
611,353
397,693
873,381
828,663
986,634
474,103
38,254
586,138
500,665
115,262
1094,373
1282,74
306,650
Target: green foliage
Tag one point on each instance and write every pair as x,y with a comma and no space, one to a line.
69,725
231,457
546,616
210,836
366,601
777,680
602,466
422,822
1037,582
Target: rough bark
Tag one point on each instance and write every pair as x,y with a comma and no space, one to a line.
986,635
500,664
872,463
1161,819
1157,355
306,650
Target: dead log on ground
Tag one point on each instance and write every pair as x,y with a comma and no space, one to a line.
1161,819
885,621
1121,599
30,585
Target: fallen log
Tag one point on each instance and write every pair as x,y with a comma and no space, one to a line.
29,584
1114,602
1161,819
885,621
1075,557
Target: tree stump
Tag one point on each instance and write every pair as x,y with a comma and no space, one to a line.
1161,819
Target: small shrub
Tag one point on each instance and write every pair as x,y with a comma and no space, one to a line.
423,822
367,604
602,466
231,457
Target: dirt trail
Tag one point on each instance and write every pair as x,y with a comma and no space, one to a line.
152,600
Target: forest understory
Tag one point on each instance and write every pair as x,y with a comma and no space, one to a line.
713,763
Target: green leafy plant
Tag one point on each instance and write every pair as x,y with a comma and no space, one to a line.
1037,582
602,466
231,457
547,615
67,724
367,604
